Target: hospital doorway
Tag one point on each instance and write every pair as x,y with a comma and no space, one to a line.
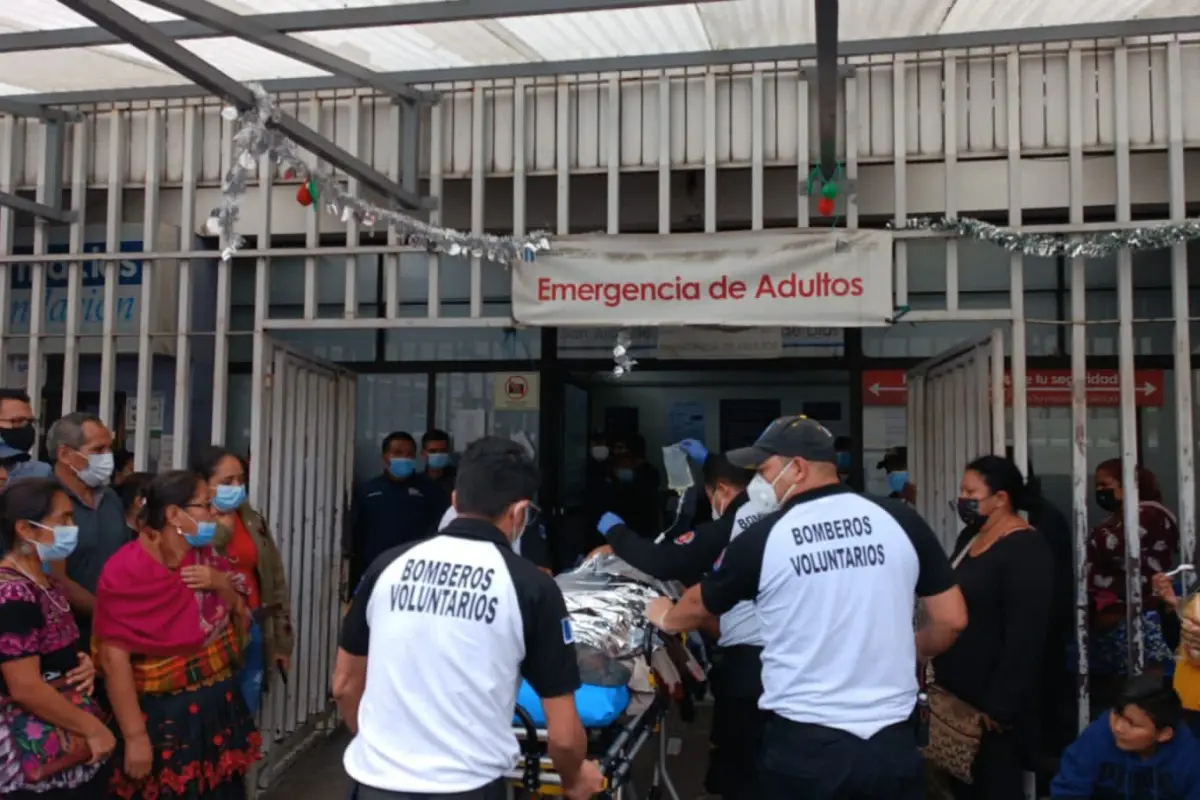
653,408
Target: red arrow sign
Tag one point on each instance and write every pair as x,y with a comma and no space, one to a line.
1045,388
884,387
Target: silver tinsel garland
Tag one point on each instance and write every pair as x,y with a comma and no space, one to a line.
1049,245
256,137
623,363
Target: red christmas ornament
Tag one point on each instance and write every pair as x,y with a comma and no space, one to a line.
825,207
304,196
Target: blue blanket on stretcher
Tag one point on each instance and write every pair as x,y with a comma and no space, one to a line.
599,706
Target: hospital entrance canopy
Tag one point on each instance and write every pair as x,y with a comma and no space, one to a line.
57,53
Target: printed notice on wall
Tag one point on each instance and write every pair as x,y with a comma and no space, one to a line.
515,391
817,278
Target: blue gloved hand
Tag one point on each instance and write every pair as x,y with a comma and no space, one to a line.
608,522
696,450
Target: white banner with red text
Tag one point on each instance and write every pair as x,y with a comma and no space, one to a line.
835,278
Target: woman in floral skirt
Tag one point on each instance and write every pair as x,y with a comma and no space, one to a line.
171,626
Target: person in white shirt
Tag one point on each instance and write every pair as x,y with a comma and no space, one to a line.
437,639
832,575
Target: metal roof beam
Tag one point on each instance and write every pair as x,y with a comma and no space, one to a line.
14,107
826,18
175,56
932,43
249,29
333,19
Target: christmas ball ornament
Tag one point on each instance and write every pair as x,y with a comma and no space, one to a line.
829,190
304,196
825,207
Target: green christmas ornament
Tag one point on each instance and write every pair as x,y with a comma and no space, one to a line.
829,190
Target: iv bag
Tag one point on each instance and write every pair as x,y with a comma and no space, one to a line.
679,473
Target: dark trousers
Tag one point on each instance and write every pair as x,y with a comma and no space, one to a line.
998,772
812,762
496,790
736,739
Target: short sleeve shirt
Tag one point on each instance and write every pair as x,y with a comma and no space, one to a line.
449,626
36,622
833,576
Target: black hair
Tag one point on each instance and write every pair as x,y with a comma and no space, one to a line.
1155,697
1033,486
397,436
121,458
718,468
1000,474
434,435
205,462
493,474
133,488
14,394
174,488
28,499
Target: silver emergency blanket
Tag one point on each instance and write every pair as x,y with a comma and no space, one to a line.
606,600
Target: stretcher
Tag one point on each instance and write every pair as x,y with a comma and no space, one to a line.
616,734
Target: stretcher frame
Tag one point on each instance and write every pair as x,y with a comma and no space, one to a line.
534,774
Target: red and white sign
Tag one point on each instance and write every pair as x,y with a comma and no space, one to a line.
828,278
885,387
1045,388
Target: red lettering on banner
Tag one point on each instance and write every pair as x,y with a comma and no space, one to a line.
1045,388
725,289
613,295
819,285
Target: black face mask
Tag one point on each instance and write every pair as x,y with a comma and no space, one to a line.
1107,499
19,438
968,511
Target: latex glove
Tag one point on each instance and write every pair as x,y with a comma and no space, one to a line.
656,613
696,450
608,522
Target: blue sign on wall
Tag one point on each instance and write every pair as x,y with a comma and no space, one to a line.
91,298
129,272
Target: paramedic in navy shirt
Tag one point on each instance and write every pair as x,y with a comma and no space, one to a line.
398,506
736,676
438,639
832,576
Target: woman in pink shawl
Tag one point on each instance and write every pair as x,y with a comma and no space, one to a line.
170,628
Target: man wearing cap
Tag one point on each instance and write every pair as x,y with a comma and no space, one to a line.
832,575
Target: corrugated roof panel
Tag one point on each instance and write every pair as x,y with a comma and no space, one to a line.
634,31
643,31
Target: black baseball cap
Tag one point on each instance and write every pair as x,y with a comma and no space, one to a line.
895,456
788,437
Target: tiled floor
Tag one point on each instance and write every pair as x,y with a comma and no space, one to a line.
319,776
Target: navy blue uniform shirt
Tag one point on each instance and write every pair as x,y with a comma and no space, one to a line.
389,512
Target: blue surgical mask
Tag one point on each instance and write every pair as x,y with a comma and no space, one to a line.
897,481
99,470
843,461
229,498
65,539
625,475
401,467
438,460
205,531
